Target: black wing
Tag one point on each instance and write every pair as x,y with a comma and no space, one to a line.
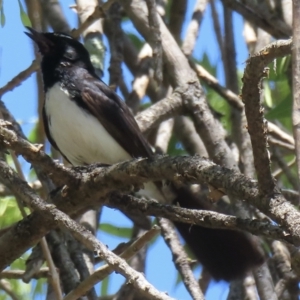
97,98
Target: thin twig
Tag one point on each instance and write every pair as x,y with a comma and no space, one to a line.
99,12
18,274
193,28
217,27
22,76
204,280
180,259
33,263
233,99
177,13
141,78
161,111
264,283
164,134
93,33
185,130
280,134
286,168
284,263
296,79
54,278
116,46
6,287
21,174
69,273
278,172
155,40
52,11
105,270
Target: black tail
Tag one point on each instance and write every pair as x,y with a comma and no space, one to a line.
227,254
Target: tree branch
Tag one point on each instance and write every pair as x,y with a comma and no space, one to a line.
105,270
257,126
181,169
276,28
296,80
22,76
18,274
155,40
180,259
55,216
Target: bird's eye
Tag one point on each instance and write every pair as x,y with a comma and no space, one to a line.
70,54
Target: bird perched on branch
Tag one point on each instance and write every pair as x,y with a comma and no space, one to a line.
87,122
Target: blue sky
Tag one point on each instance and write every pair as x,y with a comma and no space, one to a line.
16,53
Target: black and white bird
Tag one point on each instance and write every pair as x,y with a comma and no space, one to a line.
87,123
84,119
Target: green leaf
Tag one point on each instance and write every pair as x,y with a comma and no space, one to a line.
10,212
24,17
207,65
40,285
282,110
124,232
175,147
3,205
138,43
33,134
221,108
104,286
268,95
178,279
2,16
282,90
145,105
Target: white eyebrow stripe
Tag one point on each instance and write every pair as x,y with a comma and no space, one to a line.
63,35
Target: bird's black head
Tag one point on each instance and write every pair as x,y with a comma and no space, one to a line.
60,51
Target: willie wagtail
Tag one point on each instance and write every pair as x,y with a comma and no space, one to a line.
84,119
87,123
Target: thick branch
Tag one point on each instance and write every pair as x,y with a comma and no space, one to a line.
54,216
83,183
251,93
34,154
185,169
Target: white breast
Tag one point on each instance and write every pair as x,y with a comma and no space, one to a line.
79,135
82,138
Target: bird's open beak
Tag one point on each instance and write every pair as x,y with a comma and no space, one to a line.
44,44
